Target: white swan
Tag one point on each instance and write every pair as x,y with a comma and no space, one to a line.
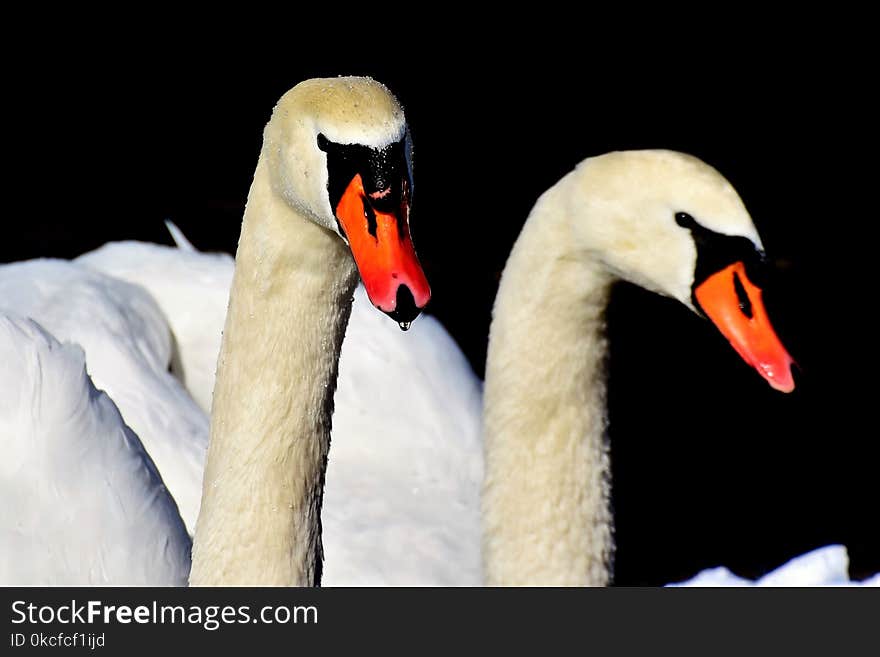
660,219
128,349
334,172
82,502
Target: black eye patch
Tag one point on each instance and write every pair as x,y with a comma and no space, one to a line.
715,251
384,171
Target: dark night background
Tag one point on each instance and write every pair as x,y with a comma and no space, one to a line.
710,466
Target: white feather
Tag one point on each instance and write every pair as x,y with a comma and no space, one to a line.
82,502
128,349
179,238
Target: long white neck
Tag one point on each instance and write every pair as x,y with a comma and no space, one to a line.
260,521
546,517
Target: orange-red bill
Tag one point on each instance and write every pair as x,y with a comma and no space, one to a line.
735,306
383,251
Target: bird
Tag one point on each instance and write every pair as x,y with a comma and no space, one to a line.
330,199
663,220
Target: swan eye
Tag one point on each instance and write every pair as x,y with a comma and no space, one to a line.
685,220
745,304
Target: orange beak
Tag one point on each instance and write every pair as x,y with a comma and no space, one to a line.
383,252
734,305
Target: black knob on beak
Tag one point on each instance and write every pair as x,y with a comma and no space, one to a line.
405,310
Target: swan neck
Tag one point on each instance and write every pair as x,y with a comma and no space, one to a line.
289,305
546,518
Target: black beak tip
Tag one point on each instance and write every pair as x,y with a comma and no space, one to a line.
405,309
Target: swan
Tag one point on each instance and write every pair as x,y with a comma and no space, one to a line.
660,219
332,181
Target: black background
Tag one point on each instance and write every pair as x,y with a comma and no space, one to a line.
710,466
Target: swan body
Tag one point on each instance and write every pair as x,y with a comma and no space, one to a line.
546,515
128,349
82,502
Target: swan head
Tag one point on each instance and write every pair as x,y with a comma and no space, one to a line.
340,153
671,223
